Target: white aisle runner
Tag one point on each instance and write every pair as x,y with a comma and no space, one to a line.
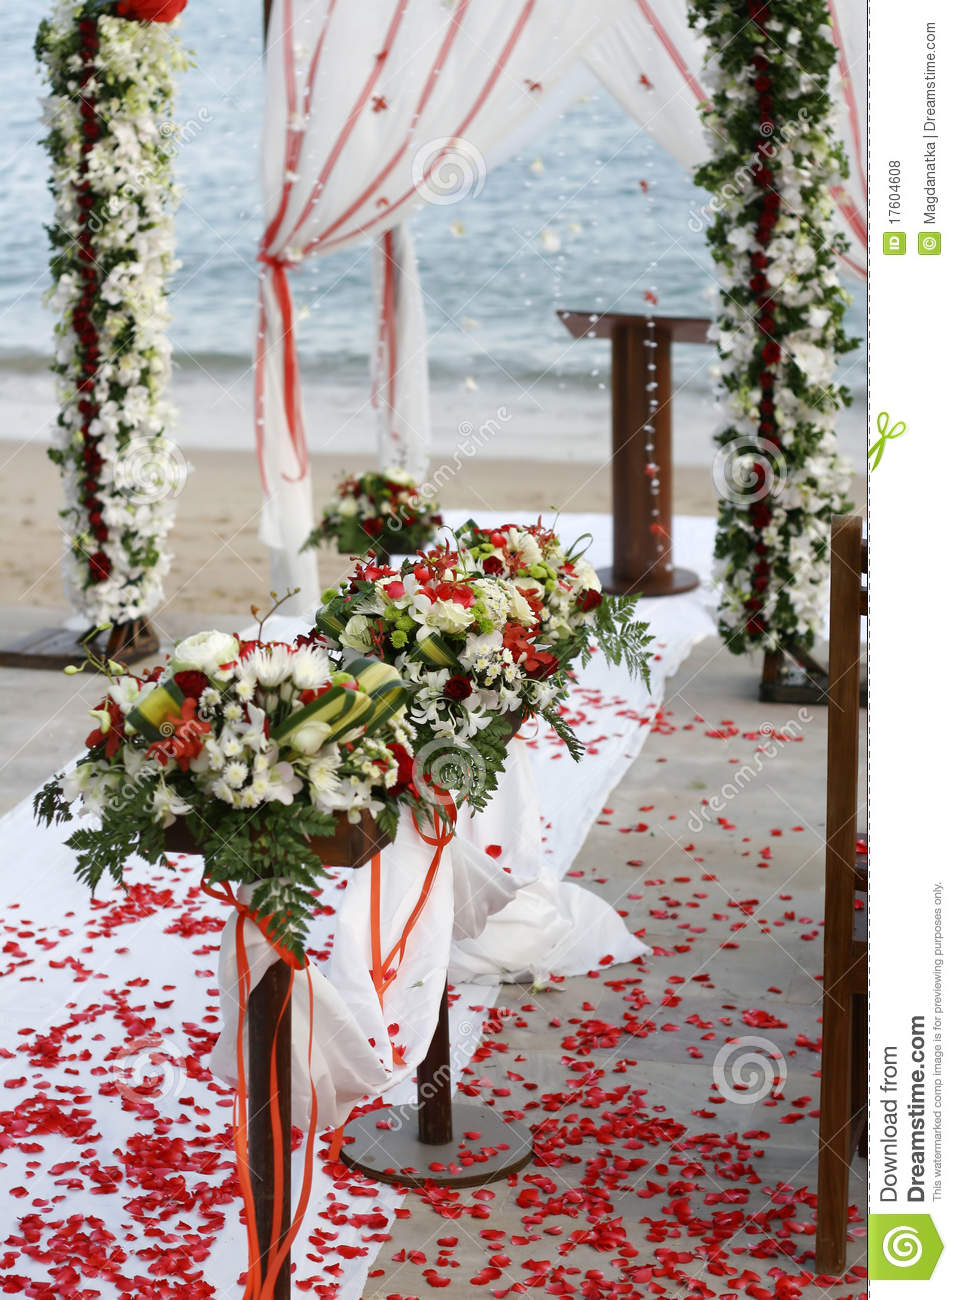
115,1157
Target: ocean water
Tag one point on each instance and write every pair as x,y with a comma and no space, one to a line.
591,214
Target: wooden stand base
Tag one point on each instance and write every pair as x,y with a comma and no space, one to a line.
413,1145
385,1146
670,583
56,648
801,681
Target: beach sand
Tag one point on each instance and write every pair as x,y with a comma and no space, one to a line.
219,562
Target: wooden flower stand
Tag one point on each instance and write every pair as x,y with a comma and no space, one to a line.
449,1144
58,648
353,845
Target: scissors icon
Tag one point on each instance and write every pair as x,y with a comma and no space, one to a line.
886,432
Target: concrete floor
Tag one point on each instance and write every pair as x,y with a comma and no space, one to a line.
734,910
735,913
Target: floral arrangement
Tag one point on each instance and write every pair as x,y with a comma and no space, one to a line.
256,747
386,512
112,70
479,649
779,329
574,610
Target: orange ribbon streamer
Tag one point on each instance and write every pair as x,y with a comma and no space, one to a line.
259,1287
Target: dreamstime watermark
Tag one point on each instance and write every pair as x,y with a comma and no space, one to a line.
452,765
746,772
748,1069
149,1069
151,470
743,179
461,1047
472,439
748,469
172,136
448,169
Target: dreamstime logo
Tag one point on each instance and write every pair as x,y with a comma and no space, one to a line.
149,1069
748,1069
747,470
447,170
451,765
151,469
902,1246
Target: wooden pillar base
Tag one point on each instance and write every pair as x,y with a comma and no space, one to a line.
385,1146
671,583
56,648
795,677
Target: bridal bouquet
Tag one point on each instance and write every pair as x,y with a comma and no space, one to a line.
385,512
574,611
257,747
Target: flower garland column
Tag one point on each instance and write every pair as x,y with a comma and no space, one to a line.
779,328
111,69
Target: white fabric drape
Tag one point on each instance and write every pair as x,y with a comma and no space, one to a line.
487,918
651,62
371,111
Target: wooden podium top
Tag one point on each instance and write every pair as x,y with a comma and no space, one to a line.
600,325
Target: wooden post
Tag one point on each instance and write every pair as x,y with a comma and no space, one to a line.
435,1083
263,1017
641,414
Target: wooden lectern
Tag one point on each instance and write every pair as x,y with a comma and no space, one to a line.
642,496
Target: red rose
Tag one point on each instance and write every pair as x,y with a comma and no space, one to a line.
372,527
589,600
101,566
406,767
457,688
771,353
191,683
540,664
151,11
767,379
493,565
762,84
760,513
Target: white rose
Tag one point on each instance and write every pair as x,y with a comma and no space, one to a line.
348,507
446,616
204,652
520,609
355,634
309,737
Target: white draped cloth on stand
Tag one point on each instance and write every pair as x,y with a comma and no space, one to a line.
371,111
487,918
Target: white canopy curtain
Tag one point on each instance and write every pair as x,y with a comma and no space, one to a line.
654,64
371,111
